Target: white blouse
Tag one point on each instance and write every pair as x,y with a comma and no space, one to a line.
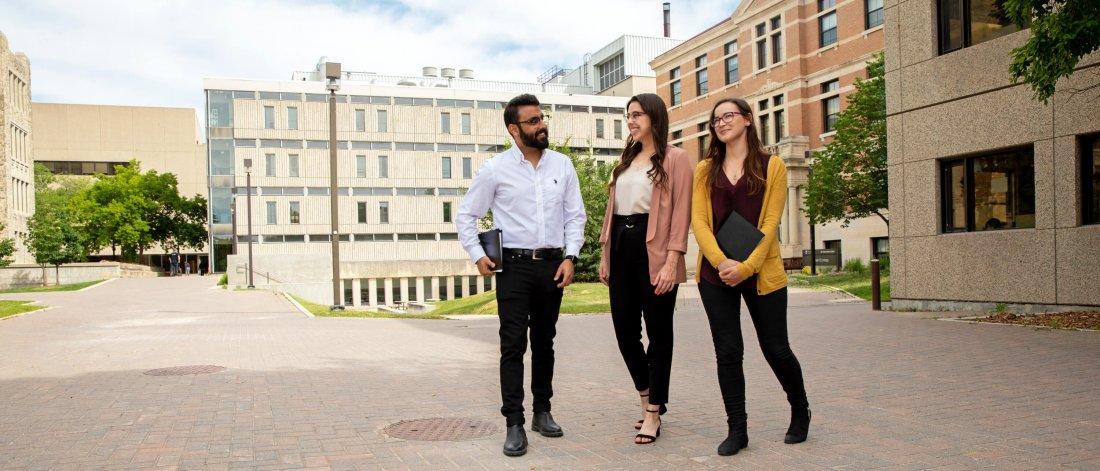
633,191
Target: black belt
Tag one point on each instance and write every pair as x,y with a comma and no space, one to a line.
631,220
537,254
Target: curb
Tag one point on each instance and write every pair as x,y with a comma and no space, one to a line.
101,283
21,314
977,320
297,305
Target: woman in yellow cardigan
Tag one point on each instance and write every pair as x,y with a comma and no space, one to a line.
736,175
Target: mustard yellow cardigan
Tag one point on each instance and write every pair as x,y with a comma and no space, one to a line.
764,260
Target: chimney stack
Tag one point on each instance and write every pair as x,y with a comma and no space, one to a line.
668,24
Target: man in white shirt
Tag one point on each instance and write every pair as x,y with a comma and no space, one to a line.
536,203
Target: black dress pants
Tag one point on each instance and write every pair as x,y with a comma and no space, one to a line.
769,316
527,298
632,299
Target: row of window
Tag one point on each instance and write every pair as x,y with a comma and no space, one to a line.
382,237
996,190
80,168
358,145
768,47
271,166
617,129
16,91
294,212
19,193
346,191
407,101
18,144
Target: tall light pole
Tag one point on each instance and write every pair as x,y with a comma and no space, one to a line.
332,80
248,193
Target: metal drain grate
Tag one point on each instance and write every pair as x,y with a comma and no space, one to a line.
186,370
439,429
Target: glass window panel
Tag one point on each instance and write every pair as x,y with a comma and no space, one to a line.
466,123
295,212
292,118
269,117
292,164
361,166
383,122
1090,180
272,212
221,205
384,212
733,72
676,93
362,212
360,120
221,156
952,25
219,113
445,123
383,166
445,165
989,21
702,83
1004,191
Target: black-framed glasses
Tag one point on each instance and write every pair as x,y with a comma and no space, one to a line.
536,120
726,118
634,116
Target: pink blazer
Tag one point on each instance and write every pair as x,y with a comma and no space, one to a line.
669,216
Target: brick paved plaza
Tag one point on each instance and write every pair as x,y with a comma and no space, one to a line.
888,390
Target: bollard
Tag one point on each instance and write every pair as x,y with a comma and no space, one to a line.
876,295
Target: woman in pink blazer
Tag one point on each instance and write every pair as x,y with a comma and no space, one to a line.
644,238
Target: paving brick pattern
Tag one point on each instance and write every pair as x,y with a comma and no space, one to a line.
888,390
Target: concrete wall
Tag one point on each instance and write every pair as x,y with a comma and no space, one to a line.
31,275
962,103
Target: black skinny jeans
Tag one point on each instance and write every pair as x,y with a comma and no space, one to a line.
527,297
632,299
769,316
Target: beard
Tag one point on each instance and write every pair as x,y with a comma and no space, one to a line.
539,140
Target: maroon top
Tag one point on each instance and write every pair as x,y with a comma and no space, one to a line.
726,197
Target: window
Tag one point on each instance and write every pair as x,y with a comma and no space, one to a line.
674,87
272,212
823,5
269,117
270,167
1090,179
874,13
446,165
827,27
295,212
292,117
360,120
764,119
618,129
702,83
599,129
777,41
880,248
780,126
676,136
361,208
446,211
733,73
702,141
830,107
989,192
361,166
384,212
382,121
445,123
611,72
761,51
383,166
964,23
466,123
467,167
292,165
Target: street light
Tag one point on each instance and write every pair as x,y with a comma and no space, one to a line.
332,83
248,190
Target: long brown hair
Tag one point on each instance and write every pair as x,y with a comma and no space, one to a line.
654,107
754,161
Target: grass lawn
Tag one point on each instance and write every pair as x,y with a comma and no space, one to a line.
43,289
11,308
580,298
858,284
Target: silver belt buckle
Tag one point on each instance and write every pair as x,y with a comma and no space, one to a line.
535,255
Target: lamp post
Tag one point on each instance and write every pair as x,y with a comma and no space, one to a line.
332,83
248,201
813,233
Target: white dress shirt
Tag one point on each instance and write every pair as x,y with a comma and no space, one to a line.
534,207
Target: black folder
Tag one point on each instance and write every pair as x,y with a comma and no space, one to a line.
738,237
493,244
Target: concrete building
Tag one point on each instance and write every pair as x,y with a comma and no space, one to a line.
621,68
86,140
794,62
17,170
408,148
993,194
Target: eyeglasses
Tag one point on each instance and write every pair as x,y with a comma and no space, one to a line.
535,121
726,118
634,116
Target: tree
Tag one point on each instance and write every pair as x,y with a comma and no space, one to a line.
1062,32
849,175
54,237
7,249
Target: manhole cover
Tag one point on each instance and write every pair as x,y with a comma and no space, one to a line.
186,370
439,429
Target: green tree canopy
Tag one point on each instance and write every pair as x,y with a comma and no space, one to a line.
849,175
1062,32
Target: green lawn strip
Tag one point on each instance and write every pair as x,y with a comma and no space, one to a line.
45,289
11,308
579,298
323,311
859,284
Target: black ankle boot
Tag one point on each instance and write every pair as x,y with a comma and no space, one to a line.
800,426
737,439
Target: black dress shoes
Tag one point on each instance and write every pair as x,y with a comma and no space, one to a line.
737,439
800,426
515,444
544,424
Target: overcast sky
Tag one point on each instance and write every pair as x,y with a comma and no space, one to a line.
156,53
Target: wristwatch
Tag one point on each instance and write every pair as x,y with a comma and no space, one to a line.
571,258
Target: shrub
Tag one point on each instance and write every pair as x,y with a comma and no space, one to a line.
855,265
223,281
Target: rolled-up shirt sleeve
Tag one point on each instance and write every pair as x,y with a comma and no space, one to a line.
575,216
474,206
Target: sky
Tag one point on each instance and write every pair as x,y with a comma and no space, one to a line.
156,53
